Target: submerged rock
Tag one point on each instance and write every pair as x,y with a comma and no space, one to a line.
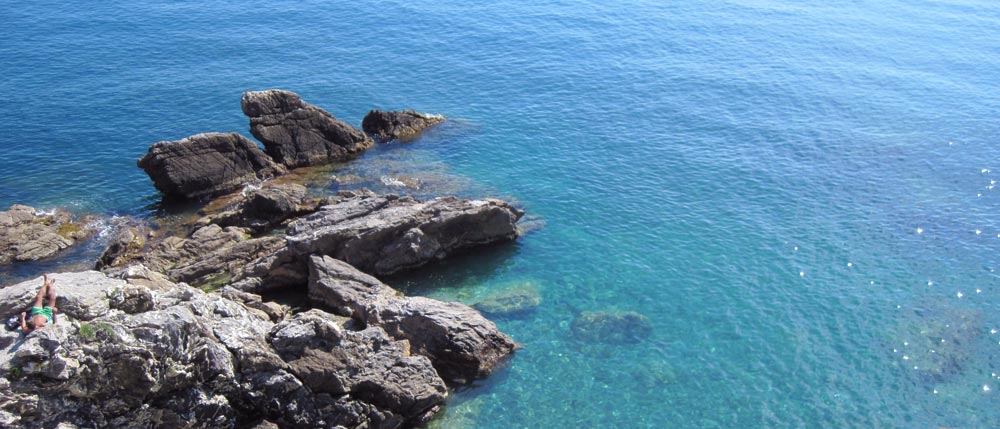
515,299
187,359
298,134
206,165
27,235
397,124
626,327
461,343
937,342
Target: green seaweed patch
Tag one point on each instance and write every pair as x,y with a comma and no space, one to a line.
215,282
16,373
611,327
92,331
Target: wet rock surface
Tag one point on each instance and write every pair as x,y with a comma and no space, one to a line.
205,165
28,235
389,125
298,134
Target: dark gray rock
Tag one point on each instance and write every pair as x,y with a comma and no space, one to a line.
461,343
126,246
206,165
298,134
266,208
611,327
383,235
390,125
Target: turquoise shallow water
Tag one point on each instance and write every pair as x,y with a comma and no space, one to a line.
749,175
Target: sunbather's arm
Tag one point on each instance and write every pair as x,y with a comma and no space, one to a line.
24,325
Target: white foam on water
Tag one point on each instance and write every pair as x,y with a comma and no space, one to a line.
392,181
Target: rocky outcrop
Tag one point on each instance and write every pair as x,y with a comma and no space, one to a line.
126,245
267,207
124,356
385,234
206,165
461,343
390,125
27,235
298,134
210,256
377,234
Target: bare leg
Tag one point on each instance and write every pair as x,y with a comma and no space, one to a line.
52,296
41,293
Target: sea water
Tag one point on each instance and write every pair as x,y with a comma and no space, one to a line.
799,196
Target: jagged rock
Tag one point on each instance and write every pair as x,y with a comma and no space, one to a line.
140,275
267,207
611,327
298,134
207,164
131,299
397,124
126,246
461,343
199,360
383,235
26,235
210,256
276,312
514,299
328,357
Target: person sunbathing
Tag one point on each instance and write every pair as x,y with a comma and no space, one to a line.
40,316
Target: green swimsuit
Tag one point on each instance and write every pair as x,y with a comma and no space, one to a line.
47,312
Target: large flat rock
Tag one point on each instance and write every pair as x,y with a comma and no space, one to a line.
384,234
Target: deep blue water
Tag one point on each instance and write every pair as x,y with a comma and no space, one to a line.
749,175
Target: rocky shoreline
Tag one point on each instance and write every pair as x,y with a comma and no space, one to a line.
171,330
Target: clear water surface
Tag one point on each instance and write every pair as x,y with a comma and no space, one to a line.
798,195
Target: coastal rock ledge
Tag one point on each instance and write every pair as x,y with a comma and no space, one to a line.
123,355
27,235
